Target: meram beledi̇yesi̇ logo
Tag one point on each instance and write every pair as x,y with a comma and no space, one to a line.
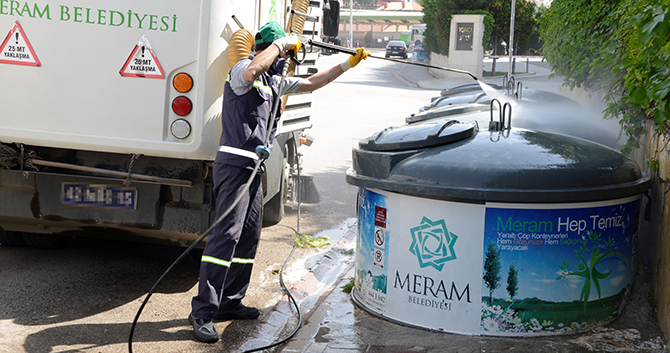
432,243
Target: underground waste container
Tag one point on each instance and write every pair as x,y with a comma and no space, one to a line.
500,231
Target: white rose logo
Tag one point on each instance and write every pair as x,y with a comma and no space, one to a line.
432,243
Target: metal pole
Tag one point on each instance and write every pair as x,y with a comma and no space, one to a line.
510,45
351,23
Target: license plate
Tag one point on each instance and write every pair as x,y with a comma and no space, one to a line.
97,195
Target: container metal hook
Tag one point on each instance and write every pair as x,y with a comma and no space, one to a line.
496,125
510,84
502,117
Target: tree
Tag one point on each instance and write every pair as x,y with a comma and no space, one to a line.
512,281
437,15
492,268
525,23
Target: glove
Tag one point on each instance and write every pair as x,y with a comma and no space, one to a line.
290,43
361,54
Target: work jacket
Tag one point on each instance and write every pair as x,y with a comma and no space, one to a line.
245,119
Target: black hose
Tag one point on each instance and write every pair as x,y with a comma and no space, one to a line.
217,222
295,303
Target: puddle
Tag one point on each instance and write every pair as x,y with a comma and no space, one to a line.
319,337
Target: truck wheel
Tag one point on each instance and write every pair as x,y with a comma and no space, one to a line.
11,238
273,211
46,241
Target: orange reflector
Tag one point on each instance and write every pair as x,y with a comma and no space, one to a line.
303,140
182,82
182,105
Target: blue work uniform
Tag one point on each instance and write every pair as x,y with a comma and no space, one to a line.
227,260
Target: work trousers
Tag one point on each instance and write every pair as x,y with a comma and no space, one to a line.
225,267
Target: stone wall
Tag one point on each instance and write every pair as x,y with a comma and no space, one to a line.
441,61
658,240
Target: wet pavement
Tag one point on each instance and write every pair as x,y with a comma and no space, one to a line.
332,322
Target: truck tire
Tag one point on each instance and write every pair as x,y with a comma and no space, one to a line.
273,210
46,241
10,238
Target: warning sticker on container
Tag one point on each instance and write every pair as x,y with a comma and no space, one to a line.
16,48
380,216
142,62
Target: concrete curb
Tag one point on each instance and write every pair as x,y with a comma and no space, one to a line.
309,292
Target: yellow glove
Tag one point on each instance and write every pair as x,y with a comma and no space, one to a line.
289,43
295,47
361,54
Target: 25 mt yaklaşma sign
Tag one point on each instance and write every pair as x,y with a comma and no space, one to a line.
100,17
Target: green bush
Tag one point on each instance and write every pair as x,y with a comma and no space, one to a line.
621,45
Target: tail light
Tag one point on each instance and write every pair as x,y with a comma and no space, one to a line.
182,82
182,105
180,129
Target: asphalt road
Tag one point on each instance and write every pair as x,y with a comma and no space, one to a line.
83,298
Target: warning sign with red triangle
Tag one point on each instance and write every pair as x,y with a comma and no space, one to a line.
142,62
16,48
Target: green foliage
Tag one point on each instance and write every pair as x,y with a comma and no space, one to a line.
488,24
347,288
437,15
526,24
308,241
622,45
492,268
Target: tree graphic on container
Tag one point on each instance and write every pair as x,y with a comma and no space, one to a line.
587,268
512,281
492,268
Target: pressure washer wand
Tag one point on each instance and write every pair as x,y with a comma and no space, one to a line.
353,52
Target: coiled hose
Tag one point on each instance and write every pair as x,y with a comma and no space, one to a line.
240,45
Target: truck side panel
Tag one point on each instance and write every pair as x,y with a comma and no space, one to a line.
78,99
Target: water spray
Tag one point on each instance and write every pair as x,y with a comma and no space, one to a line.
353,52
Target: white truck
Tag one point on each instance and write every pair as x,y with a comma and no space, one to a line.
110,115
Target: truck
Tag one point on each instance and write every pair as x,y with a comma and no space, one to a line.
110,118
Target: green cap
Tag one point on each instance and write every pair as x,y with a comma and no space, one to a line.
270,32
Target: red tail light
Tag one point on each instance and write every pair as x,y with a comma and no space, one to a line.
182,106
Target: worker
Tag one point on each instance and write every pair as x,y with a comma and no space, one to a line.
249,93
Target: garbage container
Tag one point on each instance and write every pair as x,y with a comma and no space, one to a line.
509,232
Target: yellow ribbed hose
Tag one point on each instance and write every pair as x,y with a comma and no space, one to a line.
296,26
298,21
240,46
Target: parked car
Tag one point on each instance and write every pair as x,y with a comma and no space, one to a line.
396,48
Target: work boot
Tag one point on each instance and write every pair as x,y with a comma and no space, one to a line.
240,313
203,330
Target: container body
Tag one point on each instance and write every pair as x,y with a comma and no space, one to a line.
502,269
